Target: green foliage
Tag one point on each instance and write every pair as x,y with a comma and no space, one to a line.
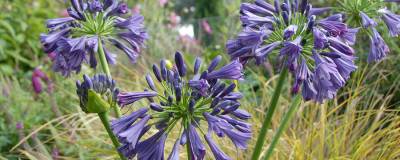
20,28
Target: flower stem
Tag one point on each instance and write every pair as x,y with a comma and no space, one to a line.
189,154
104,119
282,127
268,117
106,70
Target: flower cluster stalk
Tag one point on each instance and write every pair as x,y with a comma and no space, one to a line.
106,70
268,117
105,120
104,116
282,127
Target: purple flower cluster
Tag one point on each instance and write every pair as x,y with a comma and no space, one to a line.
187,106
90,25
378,47
368,15
317,52
99,84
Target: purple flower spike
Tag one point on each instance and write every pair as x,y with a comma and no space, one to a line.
196,146
131,97
37,86
218,153
231,71
38,76
378,49
75,39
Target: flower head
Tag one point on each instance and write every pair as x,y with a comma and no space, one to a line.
90,25
97,93
188,105
368,13
310,47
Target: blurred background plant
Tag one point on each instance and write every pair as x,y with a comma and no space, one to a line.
21,22
361,123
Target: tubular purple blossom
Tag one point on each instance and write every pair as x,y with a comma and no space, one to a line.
218,153
101,19
378,49
120,125
153,147
231,71
131,97
366,21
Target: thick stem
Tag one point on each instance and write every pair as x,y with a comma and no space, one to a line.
103,59
282,127
106,70
268,117
188,149
104,119
189,153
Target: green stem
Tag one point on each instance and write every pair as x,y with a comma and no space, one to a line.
188,149
104,119
282,127
268,117
106,70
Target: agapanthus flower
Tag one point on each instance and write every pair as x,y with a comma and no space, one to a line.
90,25
97,93
195,106
369,13
318,52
